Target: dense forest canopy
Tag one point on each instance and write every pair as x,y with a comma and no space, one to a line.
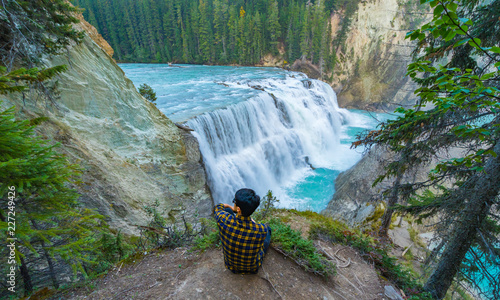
219,31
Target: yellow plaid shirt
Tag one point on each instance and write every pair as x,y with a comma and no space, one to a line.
242,241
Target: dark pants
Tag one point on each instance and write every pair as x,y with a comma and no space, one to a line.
267,241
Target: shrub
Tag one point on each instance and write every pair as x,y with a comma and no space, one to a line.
147,92
210,235
268,205
160,234
291,243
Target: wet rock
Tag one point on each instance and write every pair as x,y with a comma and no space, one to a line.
307,83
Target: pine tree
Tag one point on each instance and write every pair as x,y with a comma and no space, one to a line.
305,34
233,35
206,35
326,42
35,180
110,29
293,33
34,28
241,38
318,30
178,52
273,26
462,101
186,55
147,92
258,43
35,192
220,29
169,30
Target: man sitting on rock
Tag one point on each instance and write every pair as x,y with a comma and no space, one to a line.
244,241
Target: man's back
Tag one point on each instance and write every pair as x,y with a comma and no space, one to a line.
242,241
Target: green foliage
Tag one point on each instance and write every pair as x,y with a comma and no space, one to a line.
33,28
374,220
268,205
162,233
273,25
350,7
301,250
17,80
147,92
50,225
371,249
210,235
28,31
111,249
48,217
416,238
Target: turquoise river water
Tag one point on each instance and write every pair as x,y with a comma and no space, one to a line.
261,128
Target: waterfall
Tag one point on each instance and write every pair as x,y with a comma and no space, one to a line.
270,140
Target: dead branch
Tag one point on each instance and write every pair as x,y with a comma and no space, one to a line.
266,278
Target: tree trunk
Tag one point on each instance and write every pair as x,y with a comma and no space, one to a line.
484,188
393,199
52,271
28,286
434,252
224,48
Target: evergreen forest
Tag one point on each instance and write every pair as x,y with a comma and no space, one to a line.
219,31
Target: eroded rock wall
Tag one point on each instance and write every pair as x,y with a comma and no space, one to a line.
131,154
371,67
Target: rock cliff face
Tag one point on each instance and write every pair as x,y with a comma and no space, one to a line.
370,67
370,74
355,199
131,154
370,70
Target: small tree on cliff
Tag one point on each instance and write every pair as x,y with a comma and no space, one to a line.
147,92
458,107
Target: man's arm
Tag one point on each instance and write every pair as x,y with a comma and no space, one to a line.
219,212
229,206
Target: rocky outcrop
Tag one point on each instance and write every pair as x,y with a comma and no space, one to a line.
95,35
355,198
132,156
304,66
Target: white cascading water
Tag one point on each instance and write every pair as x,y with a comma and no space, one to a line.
269,141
